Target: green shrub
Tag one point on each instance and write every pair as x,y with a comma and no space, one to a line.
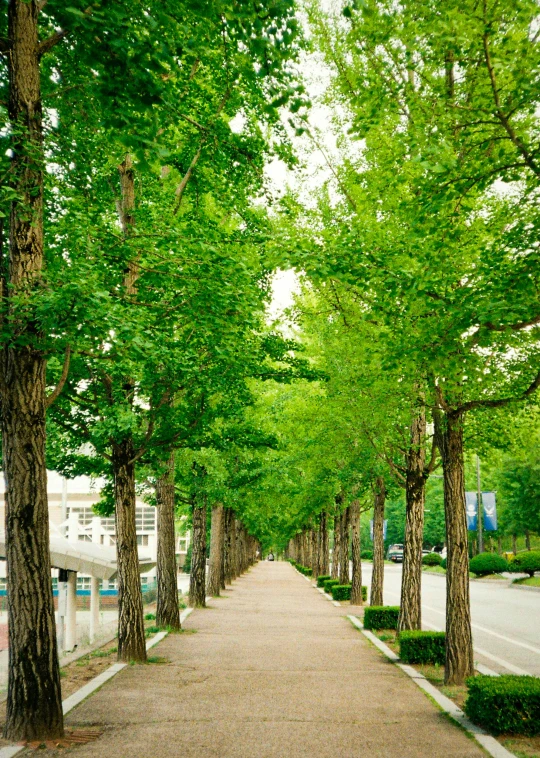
422,647
432,559
304,570
367,555
322,578
443,563
487,563
381,617
341,591
525,563
329,584
505,704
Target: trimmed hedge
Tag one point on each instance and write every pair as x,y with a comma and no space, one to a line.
367,555
422,647
432,559
322,578
341,591
525,563
304,570
488,563
443,563
381,617
505,704
329,584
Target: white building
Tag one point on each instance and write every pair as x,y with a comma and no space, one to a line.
71,515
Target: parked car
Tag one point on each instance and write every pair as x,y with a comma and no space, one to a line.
395,553
270,557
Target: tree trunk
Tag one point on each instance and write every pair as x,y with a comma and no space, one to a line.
222,548
527,539
459,649
344,553
167,610
34,708
131,639
323,542
410,616
514,544
377,577
216,542
356,582
314,553
336,552
197,582
227,561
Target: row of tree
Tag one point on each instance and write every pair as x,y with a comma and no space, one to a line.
132,278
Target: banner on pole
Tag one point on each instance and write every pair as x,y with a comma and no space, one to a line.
385,525
471,509
490,511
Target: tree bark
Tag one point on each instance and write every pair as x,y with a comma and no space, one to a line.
336,552
222,567
377,577
344,553
410,616
227,561
216,542
315,553
131,639
34,708
459,649
167,610
356,582
197,583
323,544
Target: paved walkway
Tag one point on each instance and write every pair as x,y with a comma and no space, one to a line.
273,671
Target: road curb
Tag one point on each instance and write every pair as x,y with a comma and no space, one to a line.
485,740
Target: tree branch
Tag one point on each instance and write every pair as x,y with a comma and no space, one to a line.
49,400
187,176
51,41
501,401
527,157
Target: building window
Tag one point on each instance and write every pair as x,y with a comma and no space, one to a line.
84,538
142,539
83,582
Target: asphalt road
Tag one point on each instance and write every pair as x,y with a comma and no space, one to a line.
505,621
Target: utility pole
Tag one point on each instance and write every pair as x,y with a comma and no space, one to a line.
480,507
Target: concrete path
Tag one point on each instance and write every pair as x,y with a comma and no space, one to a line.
272,670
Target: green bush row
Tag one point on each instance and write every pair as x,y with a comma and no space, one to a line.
422,647
432,559
505,704
328,584
525,563
304,570
322,578
488,563
343,592
381,617
367,555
